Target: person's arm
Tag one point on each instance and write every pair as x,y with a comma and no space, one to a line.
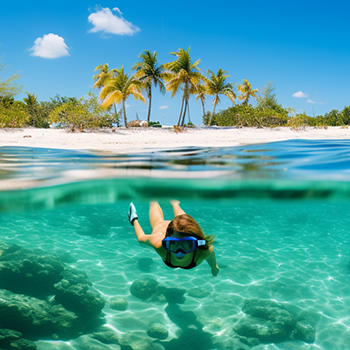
211,260
140,235
153,240
176,208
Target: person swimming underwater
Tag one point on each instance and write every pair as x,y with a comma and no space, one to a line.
180,242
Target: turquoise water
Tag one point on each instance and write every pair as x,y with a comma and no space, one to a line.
279,212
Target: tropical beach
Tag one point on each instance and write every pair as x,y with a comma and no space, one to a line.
132,140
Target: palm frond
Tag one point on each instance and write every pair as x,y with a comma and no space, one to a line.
114,97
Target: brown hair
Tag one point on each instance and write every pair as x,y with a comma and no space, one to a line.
186,225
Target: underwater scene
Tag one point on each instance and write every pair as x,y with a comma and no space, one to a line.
74,276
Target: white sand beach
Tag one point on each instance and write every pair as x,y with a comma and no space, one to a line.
132,140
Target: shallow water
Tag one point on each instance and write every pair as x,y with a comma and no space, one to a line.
279,213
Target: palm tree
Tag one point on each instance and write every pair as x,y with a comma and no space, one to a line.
103,75
101,78
182,73
246,92
216,85
149,73
119,88
30,100
201,92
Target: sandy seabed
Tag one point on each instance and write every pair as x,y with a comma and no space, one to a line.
122,140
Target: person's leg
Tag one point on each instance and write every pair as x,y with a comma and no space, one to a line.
155,214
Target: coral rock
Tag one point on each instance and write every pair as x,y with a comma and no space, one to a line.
35,317
118,304
29,272
157,331
303,332
79,298
272,322
144,288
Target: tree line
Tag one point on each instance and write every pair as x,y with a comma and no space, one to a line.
182,75
179,75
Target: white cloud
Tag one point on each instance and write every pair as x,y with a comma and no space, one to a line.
164,107
310,101
105,21
300,94
50,46
117,9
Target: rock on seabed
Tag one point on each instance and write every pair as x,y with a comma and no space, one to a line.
28,278
272,322
12,340
119,304
158,331
144,288
34,317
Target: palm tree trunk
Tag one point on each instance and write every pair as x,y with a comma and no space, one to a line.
182,106
211,118
185,110
203,105
214,108
245,102
115,112
149,104
186,96
124,111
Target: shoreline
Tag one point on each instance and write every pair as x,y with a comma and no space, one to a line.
133,140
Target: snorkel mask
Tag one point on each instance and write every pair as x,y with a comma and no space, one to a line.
182,246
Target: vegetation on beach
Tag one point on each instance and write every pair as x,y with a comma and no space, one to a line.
81,114
12,113
118,88
149,73
216,85
9,87
182,75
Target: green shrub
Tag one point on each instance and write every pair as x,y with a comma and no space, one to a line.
299,121
102,117
12,113
12,117
38,115
246,115
207,118
72,115
346,115
82,114
334,118
155,124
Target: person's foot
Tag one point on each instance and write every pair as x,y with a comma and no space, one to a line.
132,214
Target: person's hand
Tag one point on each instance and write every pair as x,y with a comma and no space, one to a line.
215,271
174,202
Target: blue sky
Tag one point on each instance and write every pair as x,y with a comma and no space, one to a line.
303,47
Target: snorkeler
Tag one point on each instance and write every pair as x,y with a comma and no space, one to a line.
179,242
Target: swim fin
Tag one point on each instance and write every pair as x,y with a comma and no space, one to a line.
132,214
